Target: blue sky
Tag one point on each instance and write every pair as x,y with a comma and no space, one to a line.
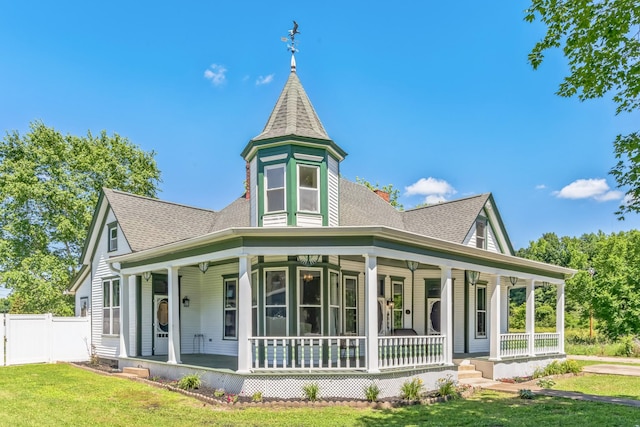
435,98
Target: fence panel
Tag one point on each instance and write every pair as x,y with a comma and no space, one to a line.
70,339
2,340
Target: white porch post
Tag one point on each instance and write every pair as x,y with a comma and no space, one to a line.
174,316
494,324
124,315
504,304
132,303
371,312
446,313
531,316
244,313
560,317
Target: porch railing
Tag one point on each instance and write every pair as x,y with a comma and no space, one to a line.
412,351
515,345
308,352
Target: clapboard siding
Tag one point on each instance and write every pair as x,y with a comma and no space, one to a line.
333,188
458,311
146,306
304,220
211,310
190,286
253,191
278,220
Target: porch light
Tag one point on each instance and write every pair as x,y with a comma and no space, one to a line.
390,303
412,265
513,280
473,276
203,266
186,301
146,276
307,277
309,259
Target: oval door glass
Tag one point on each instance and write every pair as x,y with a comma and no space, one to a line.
162,315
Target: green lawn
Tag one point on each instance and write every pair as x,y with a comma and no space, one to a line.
63,395
602,385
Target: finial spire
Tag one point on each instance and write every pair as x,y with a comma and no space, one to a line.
292,45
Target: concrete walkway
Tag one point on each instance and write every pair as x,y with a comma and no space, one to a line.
634,360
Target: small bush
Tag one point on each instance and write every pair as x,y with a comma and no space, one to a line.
447,386
311,391
545,383
411,390
558,368
190,382
94,359
256,397
525,393
628,347
371,392
219,392
232,398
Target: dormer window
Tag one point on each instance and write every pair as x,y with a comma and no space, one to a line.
274,188
112,232
481,233
308,189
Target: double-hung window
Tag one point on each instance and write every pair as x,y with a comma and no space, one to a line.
398,304
350,305
481,311
481,233
230,308
112,231
310,302
111,307
334,304
274,188
308,190
275,303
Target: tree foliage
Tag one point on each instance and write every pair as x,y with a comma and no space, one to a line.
49,186
601,41
394,193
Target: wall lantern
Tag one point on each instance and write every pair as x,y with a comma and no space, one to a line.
203,266
309,259
473,276
513,280
186,301
412,265
146,276
390,303
307,277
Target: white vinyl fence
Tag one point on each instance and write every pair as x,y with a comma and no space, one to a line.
42,338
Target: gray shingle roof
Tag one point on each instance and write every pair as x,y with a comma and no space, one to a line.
293,114
359,206
147,223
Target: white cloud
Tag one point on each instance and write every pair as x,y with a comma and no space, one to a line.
216,73
434,190
540,187
596,189
264,80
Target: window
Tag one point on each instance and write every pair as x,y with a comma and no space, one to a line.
113,236
275,304
398,306
310,302
334,304
481,233
230,308
111,307
274,188
481,311
254,304
381,286
433,306
308,193
350,305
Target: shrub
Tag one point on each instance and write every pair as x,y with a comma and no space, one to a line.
256,397
447,386
190,382
525,393
94,359
558,368
371,392
411,390
628,347
219,392
311,391
545,383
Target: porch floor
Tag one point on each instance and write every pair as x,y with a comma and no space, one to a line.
211,361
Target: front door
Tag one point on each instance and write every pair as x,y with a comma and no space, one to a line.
160,325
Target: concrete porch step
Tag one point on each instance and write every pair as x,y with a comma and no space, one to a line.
478,382
463,375
136,372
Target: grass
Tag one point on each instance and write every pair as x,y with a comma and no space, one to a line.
53,395
602,385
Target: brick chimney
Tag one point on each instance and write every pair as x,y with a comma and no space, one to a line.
247,184
383,194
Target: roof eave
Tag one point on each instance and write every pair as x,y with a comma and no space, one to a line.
254,145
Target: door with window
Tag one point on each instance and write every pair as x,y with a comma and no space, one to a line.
160,325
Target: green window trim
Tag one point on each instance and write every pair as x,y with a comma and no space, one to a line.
112,237
230,308
481,311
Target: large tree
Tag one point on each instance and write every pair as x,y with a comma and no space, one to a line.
601,41
49,186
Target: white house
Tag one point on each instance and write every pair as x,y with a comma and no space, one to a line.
309,277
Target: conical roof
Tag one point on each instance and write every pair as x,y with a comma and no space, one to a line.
293,114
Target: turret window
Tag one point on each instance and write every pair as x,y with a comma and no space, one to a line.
275,188
308,191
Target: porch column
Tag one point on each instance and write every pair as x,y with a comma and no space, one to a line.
124,315
446,313
560,316
371,312
494,324
244,313
530,321
174,316
132,303
504,319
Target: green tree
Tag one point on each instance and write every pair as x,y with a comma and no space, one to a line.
5,305
49,186
394,193
601,41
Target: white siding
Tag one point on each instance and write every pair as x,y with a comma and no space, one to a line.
146,306
458,312
308,220
253,196
190,286
492,244
211,311
477,345
333,188
278,220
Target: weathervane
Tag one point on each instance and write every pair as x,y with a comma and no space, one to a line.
292,36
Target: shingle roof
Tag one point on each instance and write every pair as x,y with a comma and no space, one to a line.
449,221
359,206
293,114
147,223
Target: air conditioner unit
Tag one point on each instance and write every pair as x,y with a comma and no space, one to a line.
433,316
